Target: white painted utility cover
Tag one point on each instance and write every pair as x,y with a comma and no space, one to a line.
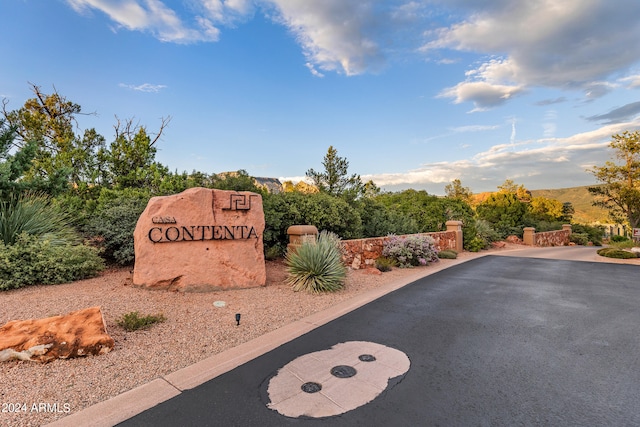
219,303
335,395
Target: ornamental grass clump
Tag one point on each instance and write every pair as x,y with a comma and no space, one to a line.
410,251
317,267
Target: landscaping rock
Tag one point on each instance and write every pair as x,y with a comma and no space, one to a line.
75,334
200,240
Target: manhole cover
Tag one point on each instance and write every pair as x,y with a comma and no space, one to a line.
367,358
311,387
343,371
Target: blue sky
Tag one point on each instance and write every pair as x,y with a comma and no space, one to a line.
413,93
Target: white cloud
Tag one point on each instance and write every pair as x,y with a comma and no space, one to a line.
483,95
570,44
145,87
543,163
151,16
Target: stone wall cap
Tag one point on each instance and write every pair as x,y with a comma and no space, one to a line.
453,222
300,230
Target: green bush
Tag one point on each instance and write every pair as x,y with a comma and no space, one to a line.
579,238
476,244
322,210
272,253
448,254
616,253
411,250
617,239
594,233
385,264
115,220
133,321
32,260
317,267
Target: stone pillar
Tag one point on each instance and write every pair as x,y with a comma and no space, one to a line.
457,227
529,237
567,227
298,234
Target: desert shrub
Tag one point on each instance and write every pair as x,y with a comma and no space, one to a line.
617,239
115,220
448,254
476,244
380,220
579,238
37,215
627,244
324,211
594,233
385,264
317,267
616,253
273,252
411,250
32,260
133,321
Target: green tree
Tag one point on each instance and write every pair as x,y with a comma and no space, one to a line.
48,120
455,190
620,189
520,191
504,211
13,167
543,209
130,159
335,180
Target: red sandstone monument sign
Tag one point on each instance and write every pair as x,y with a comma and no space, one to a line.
200,240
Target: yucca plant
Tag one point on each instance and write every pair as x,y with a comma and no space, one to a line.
35,214
317,267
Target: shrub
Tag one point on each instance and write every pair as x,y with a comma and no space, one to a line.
115,220
594,233
385,264
619,239
448,254
324,211
36,215
317,266
476,244
273,252
579,238
616,253
132,321
411,250
32,260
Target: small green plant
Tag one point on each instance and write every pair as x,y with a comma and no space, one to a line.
317,267
133,321
385,264
616,253
448,254
411,250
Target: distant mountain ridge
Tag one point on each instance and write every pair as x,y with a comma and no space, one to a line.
579,197
582,201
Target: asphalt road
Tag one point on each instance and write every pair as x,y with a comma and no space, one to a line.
496,341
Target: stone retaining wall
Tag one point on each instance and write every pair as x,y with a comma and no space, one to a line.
548,238
362,253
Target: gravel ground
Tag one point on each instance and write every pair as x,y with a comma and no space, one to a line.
195,329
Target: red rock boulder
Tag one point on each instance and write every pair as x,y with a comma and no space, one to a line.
201,240
76,334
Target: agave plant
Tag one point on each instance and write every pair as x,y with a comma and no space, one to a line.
317,267
35,214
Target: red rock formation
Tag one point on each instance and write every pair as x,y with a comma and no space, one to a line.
75,334
201,240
